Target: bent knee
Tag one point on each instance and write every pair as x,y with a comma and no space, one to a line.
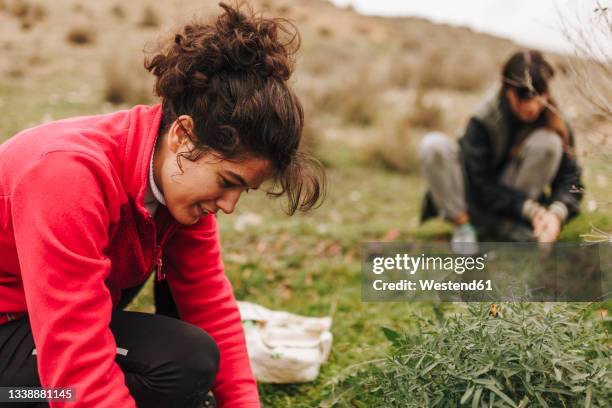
193,363
544,143
200,357
435,145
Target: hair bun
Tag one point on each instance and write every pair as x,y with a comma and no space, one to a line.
252,43
237,42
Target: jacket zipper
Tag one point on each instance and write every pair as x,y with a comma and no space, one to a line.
158,253
160,275
158,249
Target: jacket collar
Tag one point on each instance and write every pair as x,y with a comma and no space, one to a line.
137,148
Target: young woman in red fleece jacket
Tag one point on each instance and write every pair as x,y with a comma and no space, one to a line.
91,206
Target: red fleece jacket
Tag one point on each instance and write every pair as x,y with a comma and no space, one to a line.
74,232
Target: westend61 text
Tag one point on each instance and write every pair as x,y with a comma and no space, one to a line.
430,284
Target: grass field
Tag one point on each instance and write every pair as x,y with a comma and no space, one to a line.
310,264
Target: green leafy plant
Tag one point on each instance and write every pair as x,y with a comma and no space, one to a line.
528,355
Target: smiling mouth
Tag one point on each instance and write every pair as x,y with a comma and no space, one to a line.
203,210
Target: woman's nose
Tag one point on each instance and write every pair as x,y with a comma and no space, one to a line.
228,200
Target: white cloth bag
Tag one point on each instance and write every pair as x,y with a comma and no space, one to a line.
284,347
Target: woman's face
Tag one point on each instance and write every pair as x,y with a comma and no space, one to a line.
203,186
529,109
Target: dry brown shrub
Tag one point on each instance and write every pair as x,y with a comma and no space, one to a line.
36,59
402,73
39,12
591,68
26,24
325,32
355,102
431,73
20,9
466,72
150,18
469,73
81,35
363,29
395,150
283,9
118,11
425,114
16,72
127,82
590,74
411,43
265,4
27,13
328,58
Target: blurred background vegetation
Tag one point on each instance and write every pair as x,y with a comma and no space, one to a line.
371,87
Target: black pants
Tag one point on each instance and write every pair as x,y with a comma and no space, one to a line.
166,362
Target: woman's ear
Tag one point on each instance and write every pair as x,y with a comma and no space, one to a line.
181,133
511,96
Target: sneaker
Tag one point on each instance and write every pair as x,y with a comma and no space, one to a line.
209,401
464,240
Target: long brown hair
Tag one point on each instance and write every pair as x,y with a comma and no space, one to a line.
529,74
230,76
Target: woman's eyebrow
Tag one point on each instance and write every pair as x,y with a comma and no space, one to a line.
238,177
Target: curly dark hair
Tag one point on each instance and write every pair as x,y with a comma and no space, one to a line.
230,76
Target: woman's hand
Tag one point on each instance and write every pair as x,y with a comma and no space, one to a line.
546,226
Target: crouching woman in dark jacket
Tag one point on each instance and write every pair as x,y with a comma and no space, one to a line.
513,175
